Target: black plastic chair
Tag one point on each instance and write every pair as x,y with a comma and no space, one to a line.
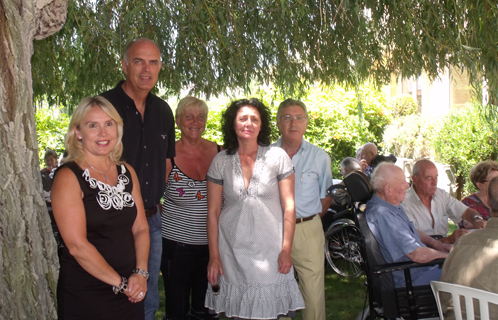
386,301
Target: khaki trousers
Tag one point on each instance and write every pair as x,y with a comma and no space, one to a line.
309,261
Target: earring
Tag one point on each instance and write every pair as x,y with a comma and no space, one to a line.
79,138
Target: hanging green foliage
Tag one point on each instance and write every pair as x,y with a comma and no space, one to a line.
212,47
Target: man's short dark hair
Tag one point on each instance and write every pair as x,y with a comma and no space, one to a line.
50,153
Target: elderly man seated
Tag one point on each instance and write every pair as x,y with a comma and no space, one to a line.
367,154
397,237
429,207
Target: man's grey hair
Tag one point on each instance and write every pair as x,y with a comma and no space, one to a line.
493,196
351,163
417,167
289,103
128,47
381,176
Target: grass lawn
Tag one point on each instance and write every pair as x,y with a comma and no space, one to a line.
344,297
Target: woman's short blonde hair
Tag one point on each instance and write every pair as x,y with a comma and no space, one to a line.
190,102
73,145
481,170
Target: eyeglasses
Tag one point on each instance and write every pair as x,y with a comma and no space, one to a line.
289,118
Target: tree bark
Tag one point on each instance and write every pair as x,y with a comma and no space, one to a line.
28,256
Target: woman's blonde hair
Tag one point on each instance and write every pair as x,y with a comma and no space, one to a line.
74,147
190,102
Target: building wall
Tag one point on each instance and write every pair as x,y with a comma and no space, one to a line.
451,90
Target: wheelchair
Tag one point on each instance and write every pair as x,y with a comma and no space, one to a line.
342,236
384,300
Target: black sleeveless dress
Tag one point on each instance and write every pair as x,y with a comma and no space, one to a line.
110,214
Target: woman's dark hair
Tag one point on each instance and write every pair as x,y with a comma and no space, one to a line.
230,141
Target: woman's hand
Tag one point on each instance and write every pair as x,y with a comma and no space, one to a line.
284,262
137,288
214,269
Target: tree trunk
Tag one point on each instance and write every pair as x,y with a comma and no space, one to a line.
28,257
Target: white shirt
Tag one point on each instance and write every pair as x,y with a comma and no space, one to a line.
443,206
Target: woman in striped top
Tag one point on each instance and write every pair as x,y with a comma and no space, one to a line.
185,250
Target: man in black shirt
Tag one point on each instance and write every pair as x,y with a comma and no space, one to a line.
148,141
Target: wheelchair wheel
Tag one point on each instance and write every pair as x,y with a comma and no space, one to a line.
342,249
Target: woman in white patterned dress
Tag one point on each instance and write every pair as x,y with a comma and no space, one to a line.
250,239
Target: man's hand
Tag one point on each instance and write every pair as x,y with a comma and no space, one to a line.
479,223
454,236
443,247
364,165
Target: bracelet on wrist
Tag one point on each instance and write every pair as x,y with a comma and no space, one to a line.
122,286
477,217
141,272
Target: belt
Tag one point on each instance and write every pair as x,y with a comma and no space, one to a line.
150,212
299,220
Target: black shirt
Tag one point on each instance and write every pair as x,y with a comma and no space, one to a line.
147,144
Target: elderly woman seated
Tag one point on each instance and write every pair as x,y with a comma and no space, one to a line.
480,175
349,164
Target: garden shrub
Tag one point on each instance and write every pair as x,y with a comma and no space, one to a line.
333,120
51,128
463,140
403,105
409,136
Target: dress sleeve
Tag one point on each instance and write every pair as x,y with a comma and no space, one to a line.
284,164
469,202
215,172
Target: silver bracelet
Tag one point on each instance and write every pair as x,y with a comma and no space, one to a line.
141,272
122,287
478,217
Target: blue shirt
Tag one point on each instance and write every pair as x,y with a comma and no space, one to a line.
397,237
313,177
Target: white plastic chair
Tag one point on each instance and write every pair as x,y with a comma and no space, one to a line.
470,294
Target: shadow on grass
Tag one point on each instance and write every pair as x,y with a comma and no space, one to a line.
344,297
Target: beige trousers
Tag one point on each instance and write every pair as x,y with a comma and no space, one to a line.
308,257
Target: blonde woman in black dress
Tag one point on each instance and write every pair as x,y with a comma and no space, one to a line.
98,208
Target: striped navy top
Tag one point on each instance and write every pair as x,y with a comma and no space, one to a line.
184,209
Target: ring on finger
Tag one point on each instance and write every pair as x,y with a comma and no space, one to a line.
140,295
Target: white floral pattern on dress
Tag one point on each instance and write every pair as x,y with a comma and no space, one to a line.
111,196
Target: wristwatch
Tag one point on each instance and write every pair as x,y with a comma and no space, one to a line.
141,272
478,217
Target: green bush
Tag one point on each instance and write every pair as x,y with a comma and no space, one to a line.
51,127
409,136
463,140
333,119
334,122
403,105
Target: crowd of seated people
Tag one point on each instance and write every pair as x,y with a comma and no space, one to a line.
411,222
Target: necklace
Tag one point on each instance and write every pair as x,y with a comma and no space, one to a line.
104,172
